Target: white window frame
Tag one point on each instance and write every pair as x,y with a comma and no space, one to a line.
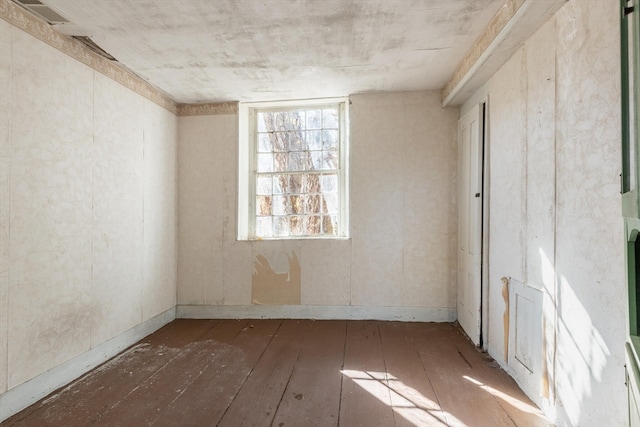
247,168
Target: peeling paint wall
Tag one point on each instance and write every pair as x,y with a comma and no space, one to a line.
555,216
87,208
402,247
273,285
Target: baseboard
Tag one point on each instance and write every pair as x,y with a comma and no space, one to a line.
319,312
28,393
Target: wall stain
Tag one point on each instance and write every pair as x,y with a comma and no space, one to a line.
505,316
544,381
272,288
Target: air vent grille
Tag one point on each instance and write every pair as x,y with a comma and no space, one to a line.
94,47
43,11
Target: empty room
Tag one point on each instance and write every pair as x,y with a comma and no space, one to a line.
319,212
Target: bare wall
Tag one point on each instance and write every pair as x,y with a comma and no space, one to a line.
87,208
401,252
555,215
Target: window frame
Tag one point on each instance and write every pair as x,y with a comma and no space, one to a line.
247,165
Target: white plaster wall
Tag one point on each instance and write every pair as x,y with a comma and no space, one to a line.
160,251
402,247
117,210
5,174
555,216
590,237
87,208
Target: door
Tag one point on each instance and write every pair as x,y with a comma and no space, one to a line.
470,149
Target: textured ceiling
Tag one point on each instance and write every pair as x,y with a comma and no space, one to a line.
255,50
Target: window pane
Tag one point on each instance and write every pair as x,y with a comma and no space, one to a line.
297,141
314,119
330,118
263,205
299,161
297,186
280,141
264,143
314,140
316,160
264,121
263,185
281,162
296,226
281,205
296,203
280,226
330,203
330,225
329,160
280,184
330,139
264,226
312,204
296,183
313,224
265,162
329,183
312,183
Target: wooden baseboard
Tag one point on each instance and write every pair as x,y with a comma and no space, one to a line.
28,393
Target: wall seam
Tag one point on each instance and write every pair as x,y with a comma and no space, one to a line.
93,188
524,234
144,242
11,156
555,216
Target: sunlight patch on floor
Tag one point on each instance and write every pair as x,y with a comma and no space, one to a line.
405,401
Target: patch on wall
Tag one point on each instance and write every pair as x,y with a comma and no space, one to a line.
525,349
275,288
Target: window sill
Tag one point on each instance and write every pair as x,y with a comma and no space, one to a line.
277,239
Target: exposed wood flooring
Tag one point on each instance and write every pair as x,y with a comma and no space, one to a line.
292,373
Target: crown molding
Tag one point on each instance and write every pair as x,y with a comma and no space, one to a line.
512,25
33,25
207,109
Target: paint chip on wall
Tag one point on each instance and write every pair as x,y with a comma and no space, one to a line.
270,287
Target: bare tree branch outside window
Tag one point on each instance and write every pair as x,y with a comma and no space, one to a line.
298,162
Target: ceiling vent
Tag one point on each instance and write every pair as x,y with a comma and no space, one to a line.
43,11
94,47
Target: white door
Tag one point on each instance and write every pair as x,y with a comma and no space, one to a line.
470,129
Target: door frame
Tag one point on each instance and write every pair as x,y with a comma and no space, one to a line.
484,232
481,225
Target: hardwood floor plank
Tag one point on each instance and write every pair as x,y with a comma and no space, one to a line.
490,378
462,401
207,398
87,399
294,373
257,401
412,396
366,400
144,404
312,397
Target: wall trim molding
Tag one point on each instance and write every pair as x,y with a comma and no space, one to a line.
482,48
28,393
212,109
511,26
43,31
317,312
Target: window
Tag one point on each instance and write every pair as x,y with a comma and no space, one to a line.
293,170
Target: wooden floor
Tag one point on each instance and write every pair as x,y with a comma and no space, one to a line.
292,373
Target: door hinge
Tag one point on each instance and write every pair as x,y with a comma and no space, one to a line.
628,9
